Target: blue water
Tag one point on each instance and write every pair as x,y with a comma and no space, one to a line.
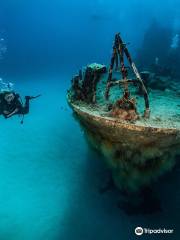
50,178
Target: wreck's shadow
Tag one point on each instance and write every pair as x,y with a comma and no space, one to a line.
149,200
90,211
144,202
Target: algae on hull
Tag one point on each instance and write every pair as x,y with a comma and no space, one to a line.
135,154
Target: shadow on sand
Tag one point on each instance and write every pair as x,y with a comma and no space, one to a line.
93,215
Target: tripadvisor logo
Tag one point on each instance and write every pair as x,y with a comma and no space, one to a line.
139,231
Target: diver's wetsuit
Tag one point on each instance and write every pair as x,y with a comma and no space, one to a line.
7,108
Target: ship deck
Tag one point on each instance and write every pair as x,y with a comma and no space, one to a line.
165,111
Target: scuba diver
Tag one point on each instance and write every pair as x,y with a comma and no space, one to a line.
11,104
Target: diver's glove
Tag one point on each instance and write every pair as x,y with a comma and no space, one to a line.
28,97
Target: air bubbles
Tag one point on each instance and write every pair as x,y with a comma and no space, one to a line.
175,41
3,48
6,86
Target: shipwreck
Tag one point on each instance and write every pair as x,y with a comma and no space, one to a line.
136,129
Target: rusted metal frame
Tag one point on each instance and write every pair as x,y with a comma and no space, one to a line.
119,49
123,68
132,64
119,82
112,64
113,59
113,83
117,53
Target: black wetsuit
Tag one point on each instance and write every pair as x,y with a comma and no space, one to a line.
11,107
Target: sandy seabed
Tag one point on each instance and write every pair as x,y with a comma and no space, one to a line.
50,178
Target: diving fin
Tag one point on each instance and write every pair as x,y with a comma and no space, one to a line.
33,97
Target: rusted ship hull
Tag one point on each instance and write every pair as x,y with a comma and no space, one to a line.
136,154
139,139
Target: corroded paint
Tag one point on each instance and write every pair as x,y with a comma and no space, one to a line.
135,154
